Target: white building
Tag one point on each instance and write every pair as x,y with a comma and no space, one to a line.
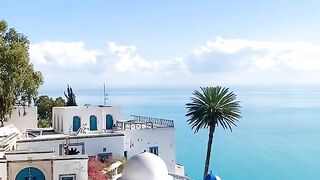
23,117
62,152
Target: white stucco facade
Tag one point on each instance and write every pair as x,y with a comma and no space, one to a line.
62,117
3,170
137,141
77,167
81,132
23,117
85,144
19,163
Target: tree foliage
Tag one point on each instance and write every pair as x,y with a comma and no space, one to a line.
211,107
19,81
45,105
71,97
59,102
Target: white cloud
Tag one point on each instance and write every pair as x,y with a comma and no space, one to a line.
121,65
127,60
258,55
66,55
218,61
119,58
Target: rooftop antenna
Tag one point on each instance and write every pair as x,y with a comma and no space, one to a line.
105,95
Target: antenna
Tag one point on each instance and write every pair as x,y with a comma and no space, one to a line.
105,96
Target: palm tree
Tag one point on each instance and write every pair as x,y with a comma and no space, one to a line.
212,107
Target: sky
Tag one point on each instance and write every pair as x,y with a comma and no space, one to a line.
134,44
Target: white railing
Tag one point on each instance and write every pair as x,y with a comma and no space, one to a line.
7,141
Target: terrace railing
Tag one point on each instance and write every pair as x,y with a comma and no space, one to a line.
141,122
180,177
155,121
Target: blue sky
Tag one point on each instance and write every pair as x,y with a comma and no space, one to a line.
174,43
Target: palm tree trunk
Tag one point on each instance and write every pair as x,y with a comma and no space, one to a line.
207,163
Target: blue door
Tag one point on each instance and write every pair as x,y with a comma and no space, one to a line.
30,173
93,123
109,122
76,123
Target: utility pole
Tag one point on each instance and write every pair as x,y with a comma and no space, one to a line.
105,96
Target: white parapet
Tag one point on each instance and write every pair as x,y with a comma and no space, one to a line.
23,117
91,119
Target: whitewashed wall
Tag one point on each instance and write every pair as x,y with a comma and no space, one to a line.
93,146
51,167
137,141
3,171
17,161
21,121
115,145
79,167
63,117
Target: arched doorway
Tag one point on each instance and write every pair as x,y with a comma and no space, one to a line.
93,123
30,173
109,122
76,123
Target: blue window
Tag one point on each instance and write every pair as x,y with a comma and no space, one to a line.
30,173
109,122
76,123
93,123
154,150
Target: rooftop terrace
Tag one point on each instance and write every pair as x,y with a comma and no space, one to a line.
142,122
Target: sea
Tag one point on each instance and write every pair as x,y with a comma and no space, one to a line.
277,138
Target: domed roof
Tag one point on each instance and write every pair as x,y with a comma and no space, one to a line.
212,177
145,166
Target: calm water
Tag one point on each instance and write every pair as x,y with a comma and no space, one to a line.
278,137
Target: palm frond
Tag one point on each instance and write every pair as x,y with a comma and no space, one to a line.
213,106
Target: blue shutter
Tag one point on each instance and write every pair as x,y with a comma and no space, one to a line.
109,122
76,123
93,123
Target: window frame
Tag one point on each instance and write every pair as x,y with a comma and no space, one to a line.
154,150
67,175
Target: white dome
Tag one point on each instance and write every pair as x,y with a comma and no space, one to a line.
145,166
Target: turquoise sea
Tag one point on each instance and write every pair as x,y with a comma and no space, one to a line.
278,137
